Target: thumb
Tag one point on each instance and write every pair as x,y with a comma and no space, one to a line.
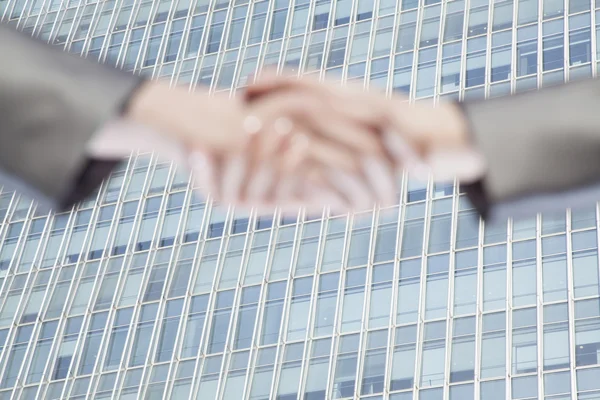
269,82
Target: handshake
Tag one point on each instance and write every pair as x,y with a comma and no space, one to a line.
297,142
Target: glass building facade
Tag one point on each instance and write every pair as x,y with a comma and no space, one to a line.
148,291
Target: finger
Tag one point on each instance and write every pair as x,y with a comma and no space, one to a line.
341,130
295,153
319,118
286,193
304,150
260,185
404,155
380,177
317,183
270,82
351,101
367,109
261,169
330,155
321,195
355,189
233,178
280,134
204,171
400,149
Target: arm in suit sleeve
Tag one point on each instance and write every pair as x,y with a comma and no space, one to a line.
542,150
51,104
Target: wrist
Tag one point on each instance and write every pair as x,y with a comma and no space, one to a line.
195,120
455,126
119,138
143,127
457,148
148,104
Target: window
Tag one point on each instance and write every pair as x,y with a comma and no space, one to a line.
451,66
436,291
235,377
524,270
412,234
493,345
182,270
210,377
246,317
409,291
462,363
440,226
433,353
93,339
494,278
124,227
347,362
168,331
208,266
220,321
231,262
503,15
478,17
291,368
299,309
148,223
318,367
524,341
587,332
118,338
41,352
102,228
192,338
556,337
171,222
381,295
501,56
324,315
263,374
108,287
374,363
215,33
402,375
143,334
158,275
308,249
273,309
465,282
527,50
333,249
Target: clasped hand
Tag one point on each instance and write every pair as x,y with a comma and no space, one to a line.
292,143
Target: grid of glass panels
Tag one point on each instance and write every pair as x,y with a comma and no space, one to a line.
148,291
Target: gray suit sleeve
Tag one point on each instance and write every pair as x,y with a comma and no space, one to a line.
51,104
541,148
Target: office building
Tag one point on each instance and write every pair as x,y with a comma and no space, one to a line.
149,291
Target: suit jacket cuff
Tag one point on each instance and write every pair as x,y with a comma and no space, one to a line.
94,170
475,191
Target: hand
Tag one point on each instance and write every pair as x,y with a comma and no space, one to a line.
256,154
421,138
434,139
288,162
347,153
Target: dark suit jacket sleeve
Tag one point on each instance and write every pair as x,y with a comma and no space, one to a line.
542,150
51,104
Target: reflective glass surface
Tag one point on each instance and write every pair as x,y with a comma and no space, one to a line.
147,290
